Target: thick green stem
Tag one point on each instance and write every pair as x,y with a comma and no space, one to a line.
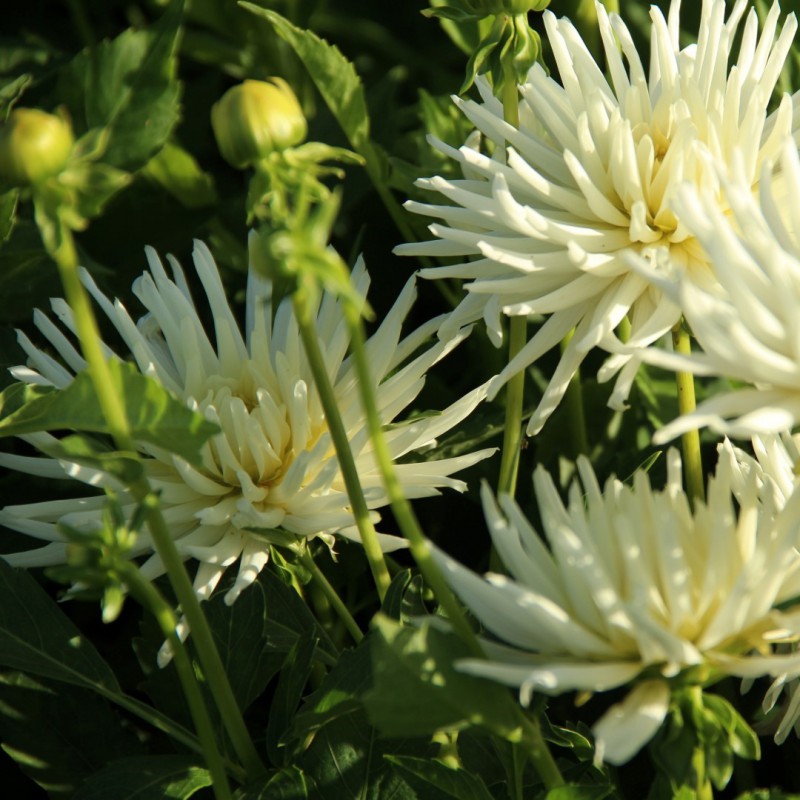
203,640
355,493
517,335
515,391
307,560
151,599
573,400
404,514
690,441
539,753
113,410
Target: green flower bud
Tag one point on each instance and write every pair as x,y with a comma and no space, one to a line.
34,146
254,119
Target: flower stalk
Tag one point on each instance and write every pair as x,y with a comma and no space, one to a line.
152,599
369,538
517,335
690,441
404,514
307,560
113,410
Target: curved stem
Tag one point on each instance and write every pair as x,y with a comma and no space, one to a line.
307,560
151,599
355,493
690,441
203,640
113,410
404,514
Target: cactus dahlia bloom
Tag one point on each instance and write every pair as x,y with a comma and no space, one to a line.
748,330
548,220
273,466
632,588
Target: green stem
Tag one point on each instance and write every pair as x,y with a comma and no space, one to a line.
114,412
690,441
515,392
517,335
203,640
539,753
307,560
574,403
151,599
404,514
517,783
355,493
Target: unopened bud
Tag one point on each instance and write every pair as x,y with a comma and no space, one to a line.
34,146
255,118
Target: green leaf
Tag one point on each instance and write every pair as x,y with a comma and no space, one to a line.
338,694
288,693
288,784
177,171
83,450
146,778
253,637
417,690
578,792
346,761
153,414
8,213
36,637
128,86
456,783
59,738
334,76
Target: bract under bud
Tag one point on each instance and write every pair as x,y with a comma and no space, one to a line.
256,118
34,146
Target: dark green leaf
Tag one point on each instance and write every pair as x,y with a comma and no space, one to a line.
288,693
456,783
288,784
146,778
176,170
393,601
128,86
334,76
59,738
79,449
346,762
339,693
8,213
153,414
417,690
575,792
36,637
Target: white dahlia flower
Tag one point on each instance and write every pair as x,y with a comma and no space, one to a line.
547,221
273,466
747,327
632,587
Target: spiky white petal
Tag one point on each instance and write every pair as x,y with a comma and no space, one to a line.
590,175
273,465
632,586
747,328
